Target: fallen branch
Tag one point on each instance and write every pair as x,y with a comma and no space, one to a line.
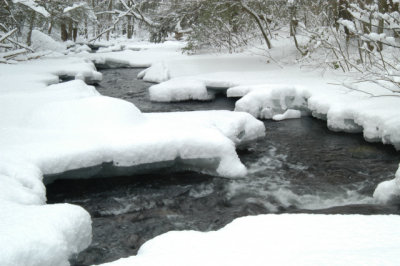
20,45
12,54
8,34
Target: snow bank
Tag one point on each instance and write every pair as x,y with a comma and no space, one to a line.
270,101
389,191
239,127
179,89
142,54
279,240
43,42
158,72
44,235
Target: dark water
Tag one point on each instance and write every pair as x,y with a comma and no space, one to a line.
300,166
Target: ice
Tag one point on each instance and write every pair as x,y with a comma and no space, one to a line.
279,240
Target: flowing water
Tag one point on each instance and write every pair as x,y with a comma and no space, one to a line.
300,166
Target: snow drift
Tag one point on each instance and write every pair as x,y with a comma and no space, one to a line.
279,240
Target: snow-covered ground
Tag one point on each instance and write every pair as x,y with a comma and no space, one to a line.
279,240
48,128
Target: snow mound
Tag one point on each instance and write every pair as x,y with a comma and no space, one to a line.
180,89
389,191
95,113
271,101
268,239
237,126
45,235
157,73
288,114
43,42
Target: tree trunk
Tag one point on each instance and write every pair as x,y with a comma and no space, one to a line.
70,29
258,21
50,27
130,28
74,33
382,8
110,5
64,33
31,24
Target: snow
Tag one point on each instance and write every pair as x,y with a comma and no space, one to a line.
34,6
158,72
389,191
43,235
178,89
49,128
279,240
43,42
288,114
73,7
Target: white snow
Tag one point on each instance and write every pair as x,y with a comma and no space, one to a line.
389,191
279,240
178,89
74,6
43,42
34,6
44,235
288,114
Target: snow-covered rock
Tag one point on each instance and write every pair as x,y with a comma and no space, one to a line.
279,240
389,191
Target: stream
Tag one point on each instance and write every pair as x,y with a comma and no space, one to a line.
299,167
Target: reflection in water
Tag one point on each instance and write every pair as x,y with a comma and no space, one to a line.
299,166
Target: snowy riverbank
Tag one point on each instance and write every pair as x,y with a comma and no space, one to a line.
49,130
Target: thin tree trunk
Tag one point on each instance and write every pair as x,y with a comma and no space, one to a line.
31,24
110,5
382,8
70,29
258,21
64,33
